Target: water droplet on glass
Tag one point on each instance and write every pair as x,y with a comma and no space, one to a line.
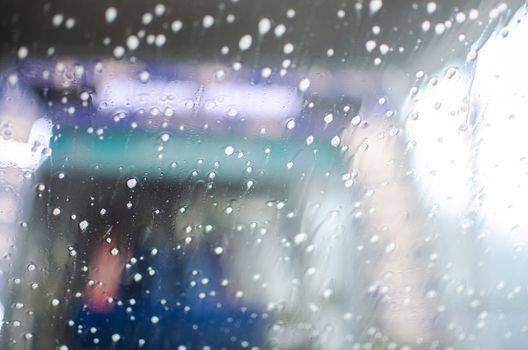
159,10
176,26
266,72
132,42
336,140
356,120
288,48
264,26
208,21
119,52
22,52
131,183
245,42
280,30
83,225
304,84
161,39
431,7
471,56
370,45
390,247
440,28
57,19
375,6
110,14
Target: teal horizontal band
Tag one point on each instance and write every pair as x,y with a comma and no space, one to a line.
187,156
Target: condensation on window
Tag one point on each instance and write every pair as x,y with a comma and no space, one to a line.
263,174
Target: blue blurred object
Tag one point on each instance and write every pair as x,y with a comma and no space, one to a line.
182,304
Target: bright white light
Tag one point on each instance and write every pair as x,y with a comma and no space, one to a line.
501,91
27,156
214,100
450,145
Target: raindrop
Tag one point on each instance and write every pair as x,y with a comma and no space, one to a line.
147,18
70,23
119,51
132,42
208,21
229,150
159,10
176,26
304,84
356,120
440,28
131,183
266,72
336,140
57,19
22,52
161,39
370,45
460,17
83,225
280,30
471,56
375,6
245,42
232,112
300,238
431,7
144,76
450,72
473,14
264,26
288,48
426,25
110,14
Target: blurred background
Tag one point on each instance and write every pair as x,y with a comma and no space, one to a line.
263,174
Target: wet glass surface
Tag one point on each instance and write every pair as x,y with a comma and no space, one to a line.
263,174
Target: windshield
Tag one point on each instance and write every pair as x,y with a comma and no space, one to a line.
263,174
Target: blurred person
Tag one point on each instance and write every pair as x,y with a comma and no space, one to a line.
356,268
372,282
156,285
